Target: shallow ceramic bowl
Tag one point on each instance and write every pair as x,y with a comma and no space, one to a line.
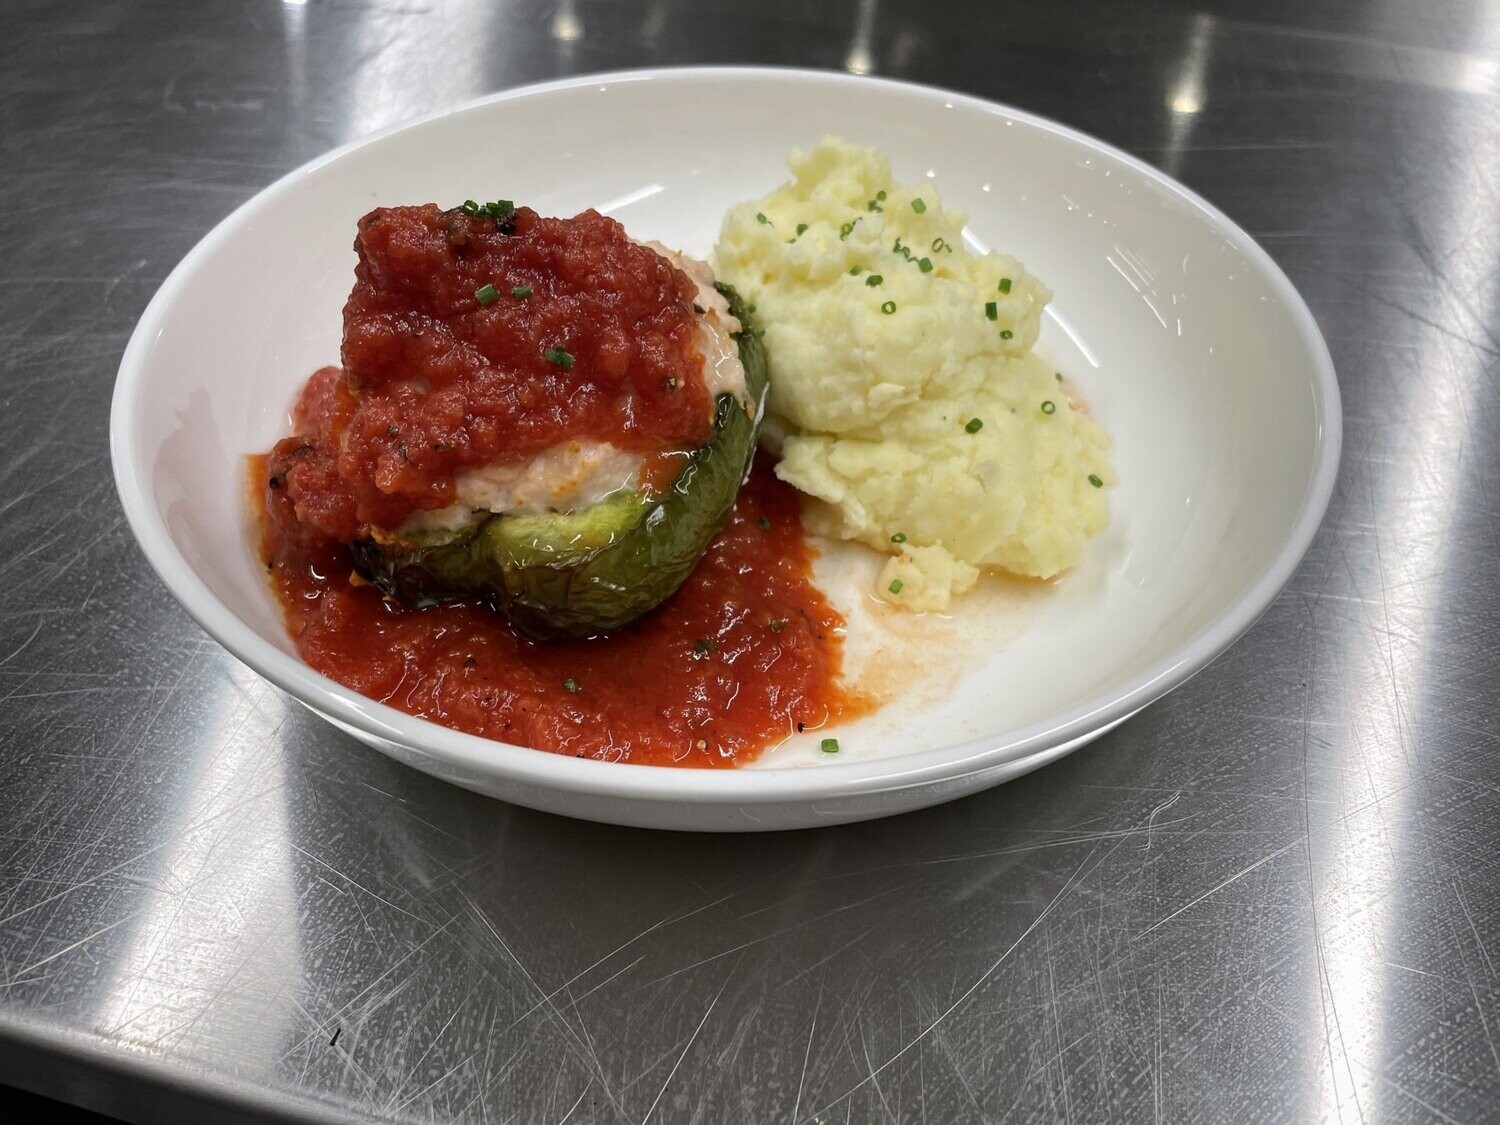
1186,340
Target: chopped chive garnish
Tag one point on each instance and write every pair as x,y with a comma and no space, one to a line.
895,586
521,291
704,645
801,229
570,685
874,205
1059,375
880,195
750,308
830,746
918,206
496,210
776,624
763,523
1005,285
991,310
939,244
874,279
1006,333
925,265
760,217
846,230
486,294
899,537
974,426
855,271
1049,407
559,358
888,308
1095,481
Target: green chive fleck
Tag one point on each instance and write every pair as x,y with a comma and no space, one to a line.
880,195
1059,375
1005,285
486,294
888,308
846,230
521,292
918,206
763,523
873,280
1095,481
801,229
559,358
760,217
830,746
570,685
1006,333
899,537
1049,407
991,310
496,210
895,586
974,426
925,265
704,645
855,271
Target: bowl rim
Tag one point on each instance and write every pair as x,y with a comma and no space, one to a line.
467,754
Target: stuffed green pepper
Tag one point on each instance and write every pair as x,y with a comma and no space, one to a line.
542,413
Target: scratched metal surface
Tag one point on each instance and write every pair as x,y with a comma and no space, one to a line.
1274,896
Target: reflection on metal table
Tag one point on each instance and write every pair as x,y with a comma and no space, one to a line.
1273,895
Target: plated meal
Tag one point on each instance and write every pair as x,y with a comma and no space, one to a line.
937,566
528,503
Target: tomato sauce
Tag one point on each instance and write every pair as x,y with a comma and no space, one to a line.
745,653
474,340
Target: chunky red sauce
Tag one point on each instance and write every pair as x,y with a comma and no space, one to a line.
746,652
583,334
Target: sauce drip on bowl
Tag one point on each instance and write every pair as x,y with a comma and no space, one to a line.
742,655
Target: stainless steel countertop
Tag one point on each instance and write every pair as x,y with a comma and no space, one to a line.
1273,896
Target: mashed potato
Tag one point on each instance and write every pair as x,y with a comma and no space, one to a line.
902,376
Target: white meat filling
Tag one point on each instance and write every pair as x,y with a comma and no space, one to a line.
573,475
563,478
722,370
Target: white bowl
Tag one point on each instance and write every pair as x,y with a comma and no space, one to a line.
1188,342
